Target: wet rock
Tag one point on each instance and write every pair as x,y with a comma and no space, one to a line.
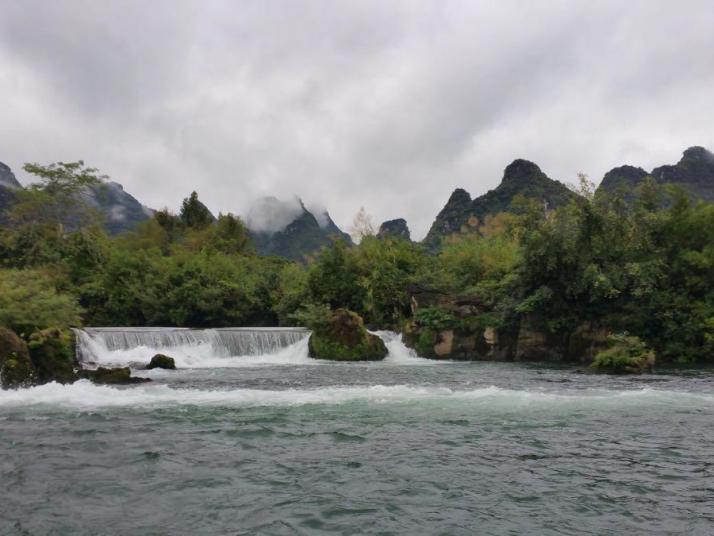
112,376
344,338
162,361
16,368
53,355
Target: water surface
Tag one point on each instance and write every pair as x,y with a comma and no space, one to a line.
279,444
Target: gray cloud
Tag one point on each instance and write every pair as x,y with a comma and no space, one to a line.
386,105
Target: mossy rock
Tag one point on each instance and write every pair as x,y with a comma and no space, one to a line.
626,355
111,376
162,361
16,368
53,355
345,338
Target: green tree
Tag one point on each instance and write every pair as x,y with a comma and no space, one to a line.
195,214
30,301
57,199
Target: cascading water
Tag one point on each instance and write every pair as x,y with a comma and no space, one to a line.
222,347
213,348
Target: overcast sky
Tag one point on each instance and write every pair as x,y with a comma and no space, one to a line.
388,105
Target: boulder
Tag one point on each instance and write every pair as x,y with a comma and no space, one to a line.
344,338
111,376
53,355
16,368
162,361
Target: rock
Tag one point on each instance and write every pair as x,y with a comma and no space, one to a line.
394,229
626,355
111,376
53,355
535,343
16,368
345,338
587,341
162,361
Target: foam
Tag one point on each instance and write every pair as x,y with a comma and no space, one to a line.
85,395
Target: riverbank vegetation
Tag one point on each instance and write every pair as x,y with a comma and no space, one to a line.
603,263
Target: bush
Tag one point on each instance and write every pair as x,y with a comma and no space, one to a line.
626,355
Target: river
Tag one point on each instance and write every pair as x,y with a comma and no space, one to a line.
275,443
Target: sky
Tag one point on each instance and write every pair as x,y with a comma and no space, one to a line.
386,105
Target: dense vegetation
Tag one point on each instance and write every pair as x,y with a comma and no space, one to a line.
631,266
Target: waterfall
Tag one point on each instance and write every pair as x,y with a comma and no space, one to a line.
188,346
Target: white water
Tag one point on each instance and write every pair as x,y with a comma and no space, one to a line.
85,395
193,348
399,353
214,348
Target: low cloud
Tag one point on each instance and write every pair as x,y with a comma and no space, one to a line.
270,214
386,105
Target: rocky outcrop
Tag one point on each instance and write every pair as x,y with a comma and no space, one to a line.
451,219
520,178
624,180
7,178
694,173
162,361
111,376
16,368
119,210
447,326
49,356
344,338
8,188
394,229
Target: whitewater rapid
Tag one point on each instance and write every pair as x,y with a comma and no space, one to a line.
85,395
214,348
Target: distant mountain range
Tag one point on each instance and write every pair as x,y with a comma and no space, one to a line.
289,229
120,211
694,173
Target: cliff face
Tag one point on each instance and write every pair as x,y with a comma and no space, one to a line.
694,173
521,177
120,210
8,185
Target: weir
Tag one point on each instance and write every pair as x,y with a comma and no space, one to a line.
92,343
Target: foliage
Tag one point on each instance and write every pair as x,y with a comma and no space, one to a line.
634,264
29,300
435,318
195,214
315,317
626,354
57,199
